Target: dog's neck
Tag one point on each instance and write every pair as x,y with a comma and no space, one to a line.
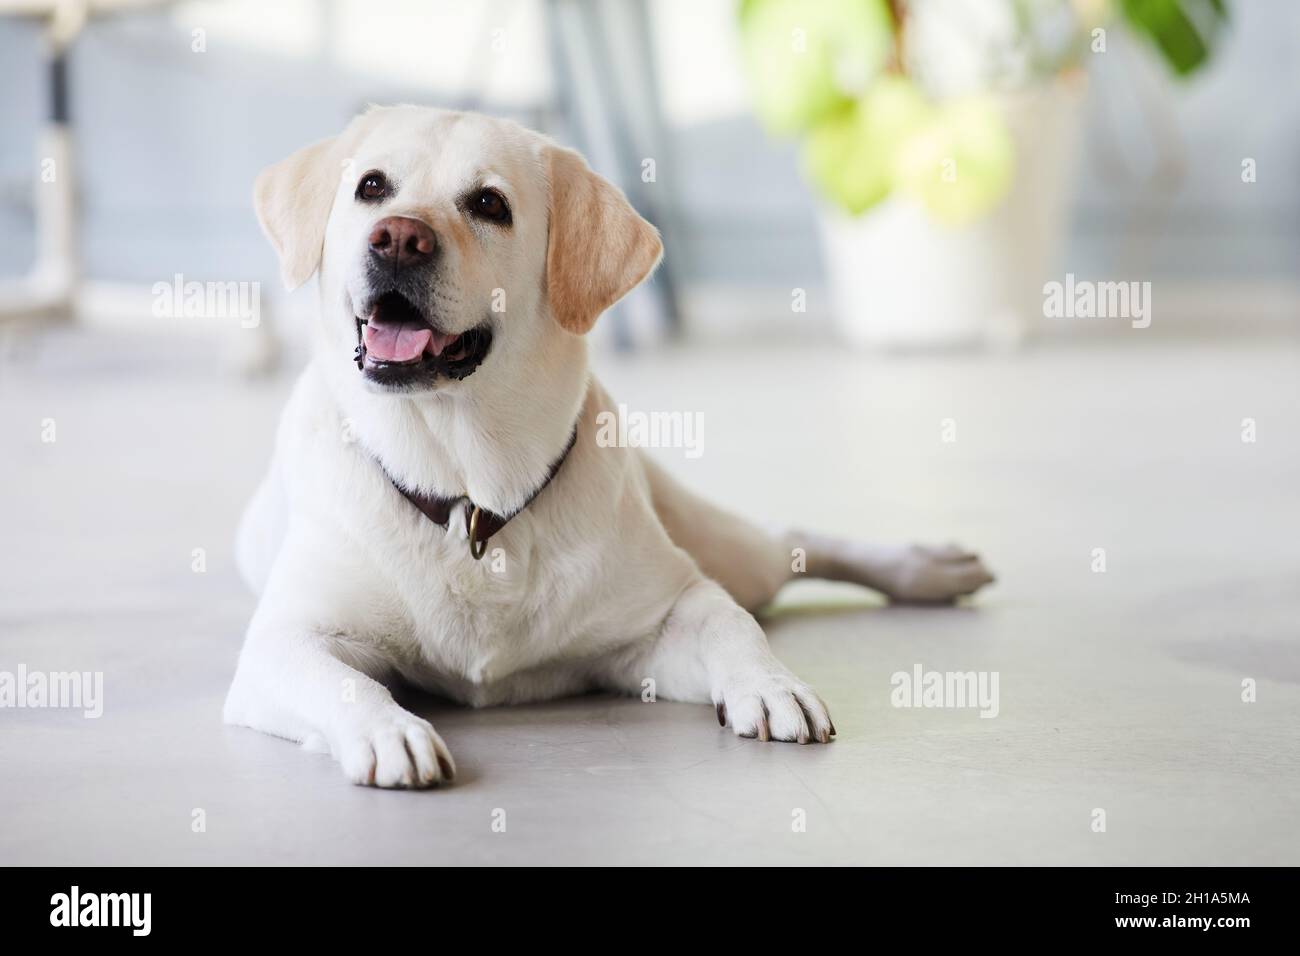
495,442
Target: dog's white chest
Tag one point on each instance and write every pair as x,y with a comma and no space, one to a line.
475,622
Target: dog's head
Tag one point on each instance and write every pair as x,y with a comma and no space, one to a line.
448,240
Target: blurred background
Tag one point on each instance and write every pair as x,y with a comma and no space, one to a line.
825,159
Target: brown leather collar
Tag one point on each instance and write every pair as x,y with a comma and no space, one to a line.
480,523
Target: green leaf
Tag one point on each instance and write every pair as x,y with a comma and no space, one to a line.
1175,32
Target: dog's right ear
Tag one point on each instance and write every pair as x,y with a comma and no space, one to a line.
293,199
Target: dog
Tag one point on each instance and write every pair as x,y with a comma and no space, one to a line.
449,411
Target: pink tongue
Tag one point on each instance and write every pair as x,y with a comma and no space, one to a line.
402,342
440,341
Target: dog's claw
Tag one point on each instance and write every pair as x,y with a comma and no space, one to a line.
773,706
811,724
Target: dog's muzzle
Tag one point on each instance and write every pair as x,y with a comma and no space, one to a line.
398,345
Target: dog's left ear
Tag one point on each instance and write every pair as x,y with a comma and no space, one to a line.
598,248
293,199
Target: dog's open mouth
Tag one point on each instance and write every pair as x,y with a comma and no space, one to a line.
397,344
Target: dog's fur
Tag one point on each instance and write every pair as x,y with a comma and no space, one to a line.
612,575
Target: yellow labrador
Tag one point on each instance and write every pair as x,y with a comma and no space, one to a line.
439,510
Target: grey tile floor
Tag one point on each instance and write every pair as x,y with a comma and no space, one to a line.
1118,691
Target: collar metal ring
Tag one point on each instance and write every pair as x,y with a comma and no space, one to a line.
476,548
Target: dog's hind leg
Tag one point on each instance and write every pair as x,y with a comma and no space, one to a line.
912,573
749,563
752,564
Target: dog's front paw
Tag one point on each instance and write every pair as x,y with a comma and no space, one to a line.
773,705
924,574
393,749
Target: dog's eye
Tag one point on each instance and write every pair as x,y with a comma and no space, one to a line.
490,205
373,187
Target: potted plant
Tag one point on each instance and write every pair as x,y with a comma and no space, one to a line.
941,136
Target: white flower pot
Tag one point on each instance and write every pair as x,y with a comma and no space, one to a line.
898,279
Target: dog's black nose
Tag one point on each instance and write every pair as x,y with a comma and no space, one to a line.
403,241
